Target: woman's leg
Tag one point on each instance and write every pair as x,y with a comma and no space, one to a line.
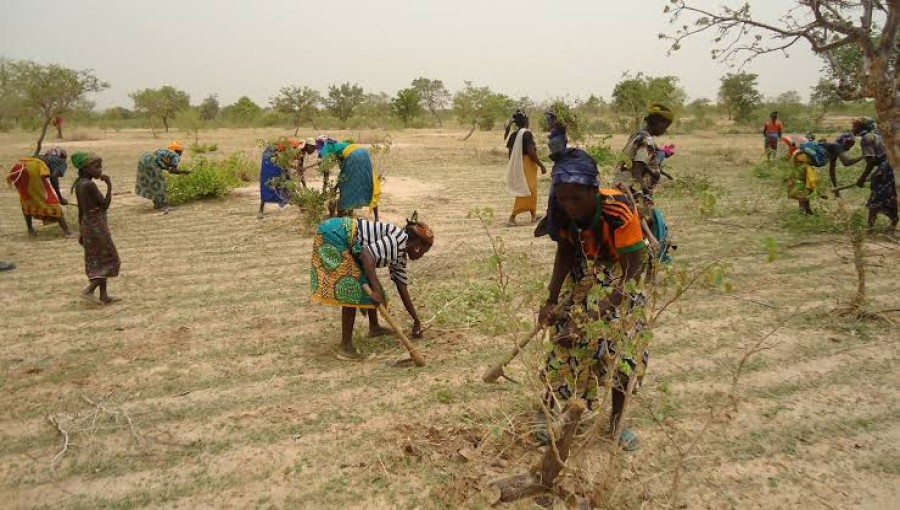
30,224
348,318
65,227
873,216
104,296
375,211
262,205
92,286
375,328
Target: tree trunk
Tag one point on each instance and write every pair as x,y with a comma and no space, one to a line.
296,129
166,123
474,125
542,477
436,116
40,141
884,81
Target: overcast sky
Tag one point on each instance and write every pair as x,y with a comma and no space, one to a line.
539,48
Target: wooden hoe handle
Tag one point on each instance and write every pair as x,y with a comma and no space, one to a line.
417,357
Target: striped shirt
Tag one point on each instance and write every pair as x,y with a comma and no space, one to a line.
388,246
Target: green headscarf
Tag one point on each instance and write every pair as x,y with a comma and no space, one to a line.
661,110
84,159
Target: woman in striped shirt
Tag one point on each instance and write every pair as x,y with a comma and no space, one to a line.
346,253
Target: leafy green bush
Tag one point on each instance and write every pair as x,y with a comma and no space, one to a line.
241,167
202,148
208,179
602,153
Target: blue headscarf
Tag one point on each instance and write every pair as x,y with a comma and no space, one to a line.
571,166
575,166
166,158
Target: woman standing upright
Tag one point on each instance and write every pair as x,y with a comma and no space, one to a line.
521,173
883,199
101,260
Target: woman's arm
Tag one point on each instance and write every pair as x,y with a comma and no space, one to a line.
870,165
847,160
102,201
54,181
403,290
562,266
531,151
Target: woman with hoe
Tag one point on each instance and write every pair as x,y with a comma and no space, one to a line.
346,252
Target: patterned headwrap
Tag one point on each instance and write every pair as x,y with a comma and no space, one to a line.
55,158
57,152
846,139
420,229
322,141
660,110
865,124
84,159
574,166
167,158
176,146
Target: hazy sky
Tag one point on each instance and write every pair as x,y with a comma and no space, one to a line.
539,48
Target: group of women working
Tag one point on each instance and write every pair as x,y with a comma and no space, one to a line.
803,183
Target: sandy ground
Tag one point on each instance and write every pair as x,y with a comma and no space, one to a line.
213,382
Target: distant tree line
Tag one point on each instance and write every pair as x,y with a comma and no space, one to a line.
33,96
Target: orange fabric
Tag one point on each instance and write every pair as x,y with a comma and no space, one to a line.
619,231
774,127
31,177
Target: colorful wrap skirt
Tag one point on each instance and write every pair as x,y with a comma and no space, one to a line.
356,184
270,175
337,276
884,190
151,180
101,260
31,177
578,360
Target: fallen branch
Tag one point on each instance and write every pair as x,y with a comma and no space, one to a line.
65,446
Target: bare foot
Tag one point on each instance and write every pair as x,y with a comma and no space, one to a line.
91,298
32,233
109,299
352,355
511,223
379,331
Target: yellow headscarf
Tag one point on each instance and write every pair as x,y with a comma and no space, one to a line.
176,146
661,110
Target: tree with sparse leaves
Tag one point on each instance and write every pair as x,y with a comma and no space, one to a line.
209,108
633,94
301,104
51,90
480,107
344,99
739,96
163,103
434,94
858,40
407,105
824,98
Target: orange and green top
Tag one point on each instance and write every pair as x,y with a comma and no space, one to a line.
615,229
